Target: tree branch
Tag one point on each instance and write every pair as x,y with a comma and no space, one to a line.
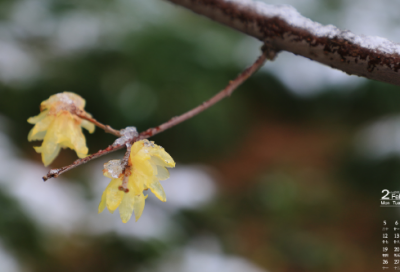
285,29
53,173
222,94
106,128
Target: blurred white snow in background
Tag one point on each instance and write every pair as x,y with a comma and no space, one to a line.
16,63
8,263
189,187
56,206
77,31
203,254
306,77
380,138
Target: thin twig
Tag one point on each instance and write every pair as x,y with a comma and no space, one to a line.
126,166
125,160
106,128
233,84
53,173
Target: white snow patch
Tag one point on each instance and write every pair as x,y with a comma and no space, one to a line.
306,77
203,254
127,133
8,262
154,223
78,30
189,187
371,17
381,138
295,19
57,205
300,75
16,63
32,18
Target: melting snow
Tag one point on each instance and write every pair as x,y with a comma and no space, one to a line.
114,167
127,134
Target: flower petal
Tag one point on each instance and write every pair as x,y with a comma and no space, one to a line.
114,195
157,189
162,173
160,157
50,146
138,206
136,147
69,133
142,167
89,126
37,118
137,183
38,132
48,154
127,206
79,143
37,136
102,204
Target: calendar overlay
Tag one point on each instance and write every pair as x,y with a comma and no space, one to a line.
391,245
390,199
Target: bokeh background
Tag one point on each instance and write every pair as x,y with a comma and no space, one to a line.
285,175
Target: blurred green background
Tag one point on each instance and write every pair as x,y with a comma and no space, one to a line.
285,175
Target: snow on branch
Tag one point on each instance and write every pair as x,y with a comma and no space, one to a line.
283,28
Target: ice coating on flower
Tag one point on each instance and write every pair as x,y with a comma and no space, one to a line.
58,127
127,133
113,169
63,101
147,165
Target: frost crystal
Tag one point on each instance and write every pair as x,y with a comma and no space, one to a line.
64,101
127,134
147,143
114,168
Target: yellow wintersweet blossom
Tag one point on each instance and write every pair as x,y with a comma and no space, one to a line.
145,168
58,127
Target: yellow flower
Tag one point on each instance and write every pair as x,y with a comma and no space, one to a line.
146,167
58,127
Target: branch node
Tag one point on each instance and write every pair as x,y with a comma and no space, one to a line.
269,50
